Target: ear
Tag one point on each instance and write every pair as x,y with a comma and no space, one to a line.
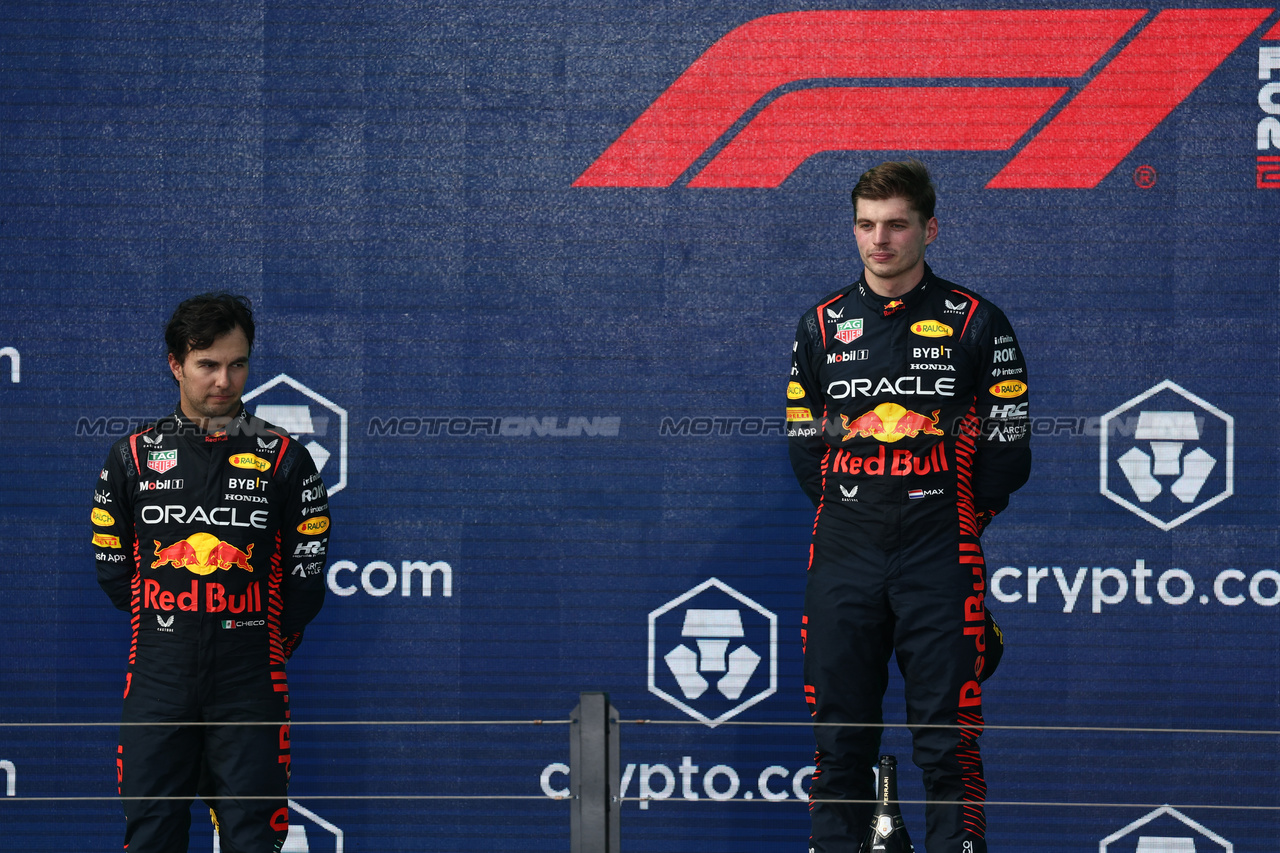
930,233
175,367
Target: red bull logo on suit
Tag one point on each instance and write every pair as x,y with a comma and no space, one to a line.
890,422
202,554
216,598
903,463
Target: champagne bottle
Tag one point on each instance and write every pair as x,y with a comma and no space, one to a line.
888,833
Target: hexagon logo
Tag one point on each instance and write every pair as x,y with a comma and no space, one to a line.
323,838
1165,830
309,417
1167,455
713,652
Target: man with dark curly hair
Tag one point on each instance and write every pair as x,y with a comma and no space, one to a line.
210,529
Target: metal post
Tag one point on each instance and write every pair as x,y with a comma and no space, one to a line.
594,741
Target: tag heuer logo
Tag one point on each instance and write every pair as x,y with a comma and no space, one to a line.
161,461
849,331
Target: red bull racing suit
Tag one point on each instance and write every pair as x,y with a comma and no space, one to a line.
908,428
215,545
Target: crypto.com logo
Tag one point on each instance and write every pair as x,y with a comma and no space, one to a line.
1178,459
1164,830
704,652
324,836
801,83
291,410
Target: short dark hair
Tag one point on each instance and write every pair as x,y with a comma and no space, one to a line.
199,321
907,179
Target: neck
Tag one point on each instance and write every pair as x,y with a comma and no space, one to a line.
892,288
204,423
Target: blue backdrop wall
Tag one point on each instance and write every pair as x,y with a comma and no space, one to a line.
527,275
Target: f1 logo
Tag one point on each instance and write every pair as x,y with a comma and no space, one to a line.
1112,110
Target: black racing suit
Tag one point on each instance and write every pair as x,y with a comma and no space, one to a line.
908,428
215,544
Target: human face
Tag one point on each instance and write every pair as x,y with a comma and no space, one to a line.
891,240
211,380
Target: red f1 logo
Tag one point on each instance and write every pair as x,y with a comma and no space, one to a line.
955,107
